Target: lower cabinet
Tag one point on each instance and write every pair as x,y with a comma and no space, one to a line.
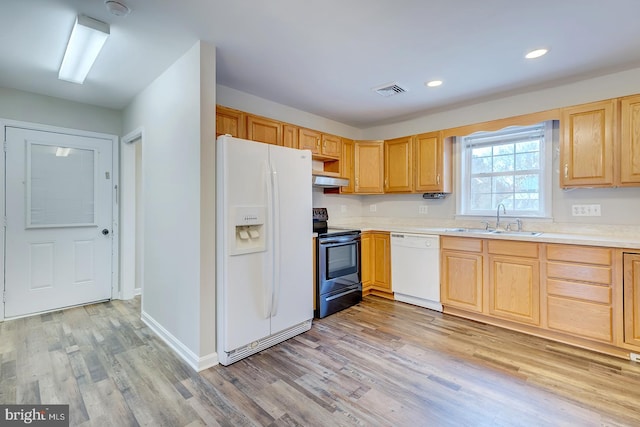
461,272
376,264
560,291
579,291
514,281
632,299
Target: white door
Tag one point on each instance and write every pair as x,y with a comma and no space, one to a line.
59,220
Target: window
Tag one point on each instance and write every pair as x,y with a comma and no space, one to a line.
509,166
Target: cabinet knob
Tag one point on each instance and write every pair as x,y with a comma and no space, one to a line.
566,170
438,179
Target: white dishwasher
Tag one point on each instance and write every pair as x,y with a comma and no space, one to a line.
415,269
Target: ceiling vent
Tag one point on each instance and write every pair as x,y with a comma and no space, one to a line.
389,89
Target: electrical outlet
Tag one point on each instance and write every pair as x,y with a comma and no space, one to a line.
635,357
423,209
343,208
585,210
373,208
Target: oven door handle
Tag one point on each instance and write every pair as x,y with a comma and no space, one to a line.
337,240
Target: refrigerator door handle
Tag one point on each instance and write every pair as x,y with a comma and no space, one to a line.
268,291
276,242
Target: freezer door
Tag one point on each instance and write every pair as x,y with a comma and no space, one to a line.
293,286
243,280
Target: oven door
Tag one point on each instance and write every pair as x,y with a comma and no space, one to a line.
338,263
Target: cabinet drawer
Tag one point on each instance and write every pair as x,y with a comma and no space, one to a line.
585,273
508,247
582,318
466,244
583,291
582,254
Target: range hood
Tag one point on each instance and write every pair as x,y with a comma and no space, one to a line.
326,181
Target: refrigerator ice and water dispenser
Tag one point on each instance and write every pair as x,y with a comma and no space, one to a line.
249,230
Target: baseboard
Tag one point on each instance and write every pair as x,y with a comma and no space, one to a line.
431,305
196,363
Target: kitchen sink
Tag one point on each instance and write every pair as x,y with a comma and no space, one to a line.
517,233
485,231
469,230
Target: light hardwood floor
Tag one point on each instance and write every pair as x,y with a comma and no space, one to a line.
380,363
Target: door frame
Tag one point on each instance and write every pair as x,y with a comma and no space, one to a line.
129,258
115,193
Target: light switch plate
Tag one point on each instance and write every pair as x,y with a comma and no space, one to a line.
373,208
585,210
343,208
423,209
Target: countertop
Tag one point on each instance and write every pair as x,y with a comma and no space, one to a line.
625,237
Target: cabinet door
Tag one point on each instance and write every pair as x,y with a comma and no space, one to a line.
290,136
331,145
368,167
586,154
514,288
264,130
429,155
381,268
346,165
630,141
365,260
229,121
309,140
461,280
632,299
398,165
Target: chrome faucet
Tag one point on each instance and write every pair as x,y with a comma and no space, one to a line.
504,211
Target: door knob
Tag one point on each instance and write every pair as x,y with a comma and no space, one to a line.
105,232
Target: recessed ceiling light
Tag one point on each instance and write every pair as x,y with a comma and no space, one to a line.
536,53
434,83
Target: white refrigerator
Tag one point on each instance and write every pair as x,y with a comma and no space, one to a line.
264,268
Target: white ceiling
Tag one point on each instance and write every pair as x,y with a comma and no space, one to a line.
324,56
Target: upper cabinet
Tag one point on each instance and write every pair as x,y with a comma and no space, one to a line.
369,167
630,141
587,147
433,155
398,165
346,165
265,130
320,144
230,121
290,136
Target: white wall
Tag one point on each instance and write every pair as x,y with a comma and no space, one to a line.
619,206
262,107
30,107
177,291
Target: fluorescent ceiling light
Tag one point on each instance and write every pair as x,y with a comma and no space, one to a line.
434,83
87,38
536,53
63,151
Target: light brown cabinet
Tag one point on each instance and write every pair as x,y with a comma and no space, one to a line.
398,165
433,168
376,264
264,130
632,299
369,167
320,144
290,136
514,281
630,141
230,122
578,284
587,145
461,272
346,165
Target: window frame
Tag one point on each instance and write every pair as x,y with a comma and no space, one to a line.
463,166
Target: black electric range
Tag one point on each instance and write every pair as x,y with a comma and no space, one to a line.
338,281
